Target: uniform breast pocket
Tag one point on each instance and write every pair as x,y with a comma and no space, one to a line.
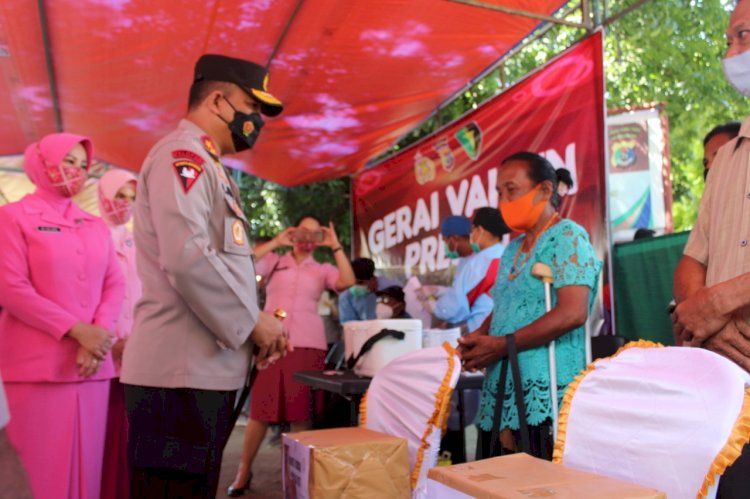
235,237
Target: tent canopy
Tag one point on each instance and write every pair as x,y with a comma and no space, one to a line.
354,75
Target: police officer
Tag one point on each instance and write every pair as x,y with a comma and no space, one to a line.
198,317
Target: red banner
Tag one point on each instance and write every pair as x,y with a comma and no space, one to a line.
557,111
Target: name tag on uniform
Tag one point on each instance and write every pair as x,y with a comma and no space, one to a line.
48,229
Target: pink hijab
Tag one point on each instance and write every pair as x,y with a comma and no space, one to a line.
52,148
109,184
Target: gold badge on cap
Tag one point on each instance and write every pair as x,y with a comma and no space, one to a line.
265,83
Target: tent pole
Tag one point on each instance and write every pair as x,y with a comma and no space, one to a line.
518,12
597,12
284,32
50,65
586,13
627,10
352,234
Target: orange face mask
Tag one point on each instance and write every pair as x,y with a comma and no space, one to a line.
522,214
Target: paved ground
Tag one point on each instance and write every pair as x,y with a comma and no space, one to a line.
267,468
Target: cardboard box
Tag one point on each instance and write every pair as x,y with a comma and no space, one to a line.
345,462
522,476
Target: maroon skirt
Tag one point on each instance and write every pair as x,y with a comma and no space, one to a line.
276,397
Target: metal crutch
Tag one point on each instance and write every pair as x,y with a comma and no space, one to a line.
544,273
588,340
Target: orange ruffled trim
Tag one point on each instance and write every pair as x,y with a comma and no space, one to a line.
739,437
363,411
562,425
439,416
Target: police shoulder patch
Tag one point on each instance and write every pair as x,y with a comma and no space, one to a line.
188,173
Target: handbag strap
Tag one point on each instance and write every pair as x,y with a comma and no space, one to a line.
512,359
520,402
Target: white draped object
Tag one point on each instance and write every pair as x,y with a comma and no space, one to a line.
671,418
410,398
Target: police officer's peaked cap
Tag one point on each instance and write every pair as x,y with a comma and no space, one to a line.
249,76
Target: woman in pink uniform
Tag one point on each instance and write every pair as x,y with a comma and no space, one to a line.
116,194
61,290
294,283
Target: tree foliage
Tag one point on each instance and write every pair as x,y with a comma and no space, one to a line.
270,207
665,51
671,51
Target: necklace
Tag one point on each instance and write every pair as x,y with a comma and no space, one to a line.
517,267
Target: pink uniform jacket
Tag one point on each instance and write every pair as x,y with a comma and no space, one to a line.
56,268
125,249
109,185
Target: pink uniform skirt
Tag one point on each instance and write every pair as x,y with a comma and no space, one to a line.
276,397
58,429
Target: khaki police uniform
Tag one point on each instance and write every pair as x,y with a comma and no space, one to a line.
199,301
189,349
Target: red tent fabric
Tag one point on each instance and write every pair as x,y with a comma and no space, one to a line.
354,75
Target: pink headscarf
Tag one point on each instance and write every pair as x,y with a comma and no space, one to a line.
52,148
113,211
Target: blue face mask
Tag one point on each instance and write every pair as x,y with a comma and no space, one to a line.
358,291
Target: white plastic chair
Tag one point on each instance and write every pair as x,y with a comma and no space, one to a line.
410,398
670,418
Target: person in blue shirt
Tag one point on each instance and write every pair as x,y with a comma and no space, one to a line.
359,301
455,231
467,302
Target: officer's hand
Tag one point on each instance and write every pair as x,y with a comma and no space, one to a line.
268,337
95,339
279,353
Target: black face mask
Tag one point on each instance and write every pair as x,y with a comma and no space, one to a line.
245,128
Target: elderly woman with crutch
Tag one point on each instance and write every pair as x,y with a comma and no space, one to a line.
531,334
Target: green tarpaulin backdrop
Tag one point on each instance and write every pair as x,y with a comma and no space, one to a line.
643,271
